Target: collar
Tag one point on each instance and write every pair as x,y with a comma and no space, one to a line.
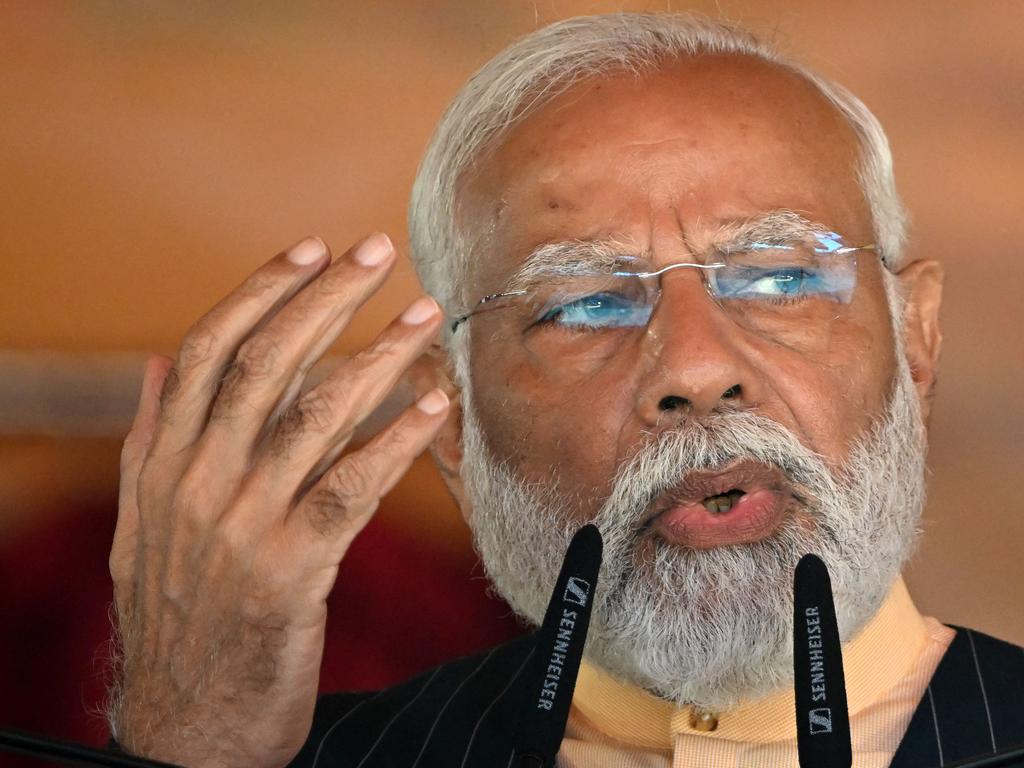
873,661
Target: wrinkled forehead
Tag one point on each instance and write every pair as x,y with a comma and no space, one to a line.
664,159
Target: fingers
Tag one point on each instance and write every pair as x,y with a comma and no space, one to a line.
270,360
340,504
133,452
211,343
323,420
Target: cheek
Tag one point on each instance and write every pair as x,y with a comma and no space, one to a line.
538,421
832,397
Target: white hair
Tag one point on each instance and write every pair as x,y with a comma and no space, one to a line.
540,66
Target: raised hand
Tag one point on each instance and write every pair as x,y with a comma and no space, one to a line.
236,506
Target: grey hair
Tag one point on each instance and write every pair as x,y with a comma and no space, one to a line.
547,62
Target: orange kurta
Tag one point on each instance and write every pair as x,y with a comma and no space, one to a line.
888,666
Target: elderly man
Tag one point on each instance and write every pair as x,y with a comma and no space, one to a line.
668,272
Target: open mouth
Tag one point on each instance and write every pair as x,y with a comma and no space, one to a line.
723,502
743,502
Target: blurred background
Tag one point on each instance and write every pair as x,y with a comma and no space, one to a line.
154,154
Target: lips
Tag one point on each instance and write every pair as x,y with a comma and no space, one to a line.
742,503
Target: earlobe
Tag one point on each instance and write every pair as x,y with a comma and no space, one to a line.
921,285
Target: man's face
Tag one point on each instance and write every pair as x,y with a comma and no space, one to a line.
662,163
810,425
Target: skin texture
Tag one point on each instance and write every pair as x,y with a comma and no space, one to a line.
236,502
661,163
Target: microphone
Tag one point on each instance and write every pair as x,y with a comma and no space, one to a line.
558,653
822,716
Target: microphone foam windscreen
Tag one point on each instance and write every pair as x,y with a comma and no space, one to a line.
559,651
822,717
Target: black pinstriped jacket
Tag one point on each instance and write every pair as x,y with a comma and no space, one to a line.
460,715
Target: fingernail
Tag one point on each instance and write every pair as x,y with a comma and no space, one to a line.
373,250
433,402
420,311
307,251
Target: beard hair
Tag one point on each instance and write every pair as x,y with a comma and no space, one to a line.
711,628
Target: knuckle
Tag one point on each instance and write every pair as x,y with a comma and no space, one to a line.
399,442
316,411
287,432
380,352
340,498
325,511
197,347
257,357
258,285
352,479
255,361
313,413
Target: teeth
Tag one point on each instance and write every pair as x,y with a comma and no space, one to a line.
723,502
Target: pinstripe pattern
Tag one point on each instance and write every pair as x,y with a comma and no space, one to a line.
976,700
935,722
398,714
981,684
504,691
433,728
338,722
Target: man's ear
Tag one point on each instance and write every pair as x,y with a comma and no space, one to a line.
431,370
921,285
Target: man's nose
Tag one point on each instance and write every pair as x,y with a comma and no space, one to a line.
696,358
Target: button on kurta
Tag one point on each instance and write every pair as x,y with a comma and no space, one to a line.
702,720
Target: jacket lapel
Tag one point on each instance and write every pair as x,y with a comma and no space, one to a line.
973,706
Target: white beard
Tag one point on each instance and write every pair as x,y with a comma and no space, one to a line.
710,627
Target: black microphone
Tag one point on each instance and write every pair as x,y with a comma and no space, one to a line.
822,716
558,653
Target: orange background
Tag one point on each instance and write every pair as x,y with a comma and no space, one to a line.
153,154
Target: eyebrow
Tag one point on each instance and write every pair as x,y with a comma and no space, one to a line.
570,257
582,256
778,227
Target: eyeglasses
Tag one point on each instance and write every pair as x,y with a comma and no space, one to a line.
767,286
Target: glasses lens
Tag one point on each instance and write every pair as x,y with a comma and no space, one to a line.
595,302
778,276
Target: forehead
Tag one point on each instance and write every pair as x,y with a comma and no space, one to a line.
659,159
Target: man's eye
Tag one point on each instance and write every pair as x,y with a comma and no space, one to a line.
768,283
600,310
